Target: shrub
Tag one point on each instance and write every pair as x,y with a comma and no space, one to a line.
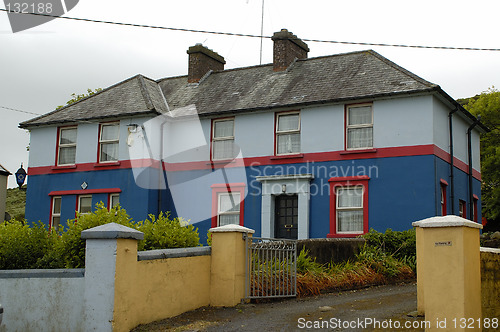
72,246
163,232
399,245
22,246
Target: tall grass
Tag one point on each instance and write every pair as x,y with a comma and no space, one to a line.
385,258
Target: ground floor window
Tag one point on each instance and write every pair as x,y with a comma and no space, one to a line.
462,210
114,200
227,204
84,204
55,218
348,206
475,199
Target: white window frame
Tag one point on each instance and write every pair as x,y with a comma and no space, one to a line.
66,145
286,132
357,126
220,139
111,196
80,203
341,209
54,214
236,200
111,141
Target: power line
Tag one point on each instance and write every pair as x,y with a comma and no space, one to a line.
259,36
21,111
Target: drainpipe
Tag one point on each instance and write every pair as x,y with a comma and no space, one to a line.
469,147
452,163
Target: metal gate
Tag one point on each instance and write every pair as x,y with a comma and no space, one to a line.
271,268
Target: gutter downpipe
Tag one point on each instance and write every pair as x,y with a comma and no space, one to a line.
452,162
469,151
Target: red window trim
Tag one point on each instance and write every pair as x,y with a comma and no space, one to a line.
361,150
347,182
58,135
475,199
227,188
291,155
106,163
442,191
85,191
212,137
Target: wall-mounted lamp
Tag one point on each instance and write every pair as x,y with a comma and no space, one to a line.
283,188
132,128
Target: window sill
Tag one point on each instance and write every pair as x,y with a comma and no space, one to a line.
358,151
342,235
288,156
114,163
221,162
55,168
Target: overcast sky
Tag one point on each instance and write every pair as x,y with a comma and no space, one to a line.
41,67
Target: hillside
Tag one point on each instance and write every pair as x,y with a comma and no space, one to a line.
15,203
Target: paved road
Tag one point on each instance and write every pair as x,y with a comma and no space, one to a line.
344,311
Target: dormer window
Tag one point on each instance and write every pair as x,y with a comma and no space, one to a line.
109,134
66,146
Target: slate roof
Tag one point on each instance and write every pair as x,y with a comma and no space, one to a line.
336,78
333,78
137,95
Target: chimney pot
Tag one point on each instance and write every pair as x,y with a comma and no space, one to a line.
201,61
287,47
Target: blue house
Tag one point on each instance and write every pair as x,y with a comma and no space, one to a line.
300,148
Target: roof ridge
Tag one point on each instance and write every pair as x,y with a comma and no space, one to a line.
145,92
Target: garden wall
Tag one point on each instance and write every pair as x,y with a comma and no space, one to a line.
121,288
490,282
331,250
42,300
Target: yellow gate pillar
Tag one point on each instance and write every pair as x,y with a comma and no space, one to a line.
448,273
228,265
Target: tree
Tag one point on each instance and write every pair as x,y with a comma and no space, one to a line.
487,105
76,97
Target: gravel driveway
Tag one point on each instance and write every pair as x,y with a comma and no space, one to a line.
377,308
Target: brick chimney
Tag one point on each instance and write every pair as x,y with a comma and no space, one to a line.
287,48
201,61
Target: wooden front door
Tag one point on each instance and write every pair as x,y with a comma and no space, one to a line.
286,217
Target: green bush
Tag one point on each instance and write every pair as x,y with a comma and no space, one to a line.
399,245
71,250
21,246
163,232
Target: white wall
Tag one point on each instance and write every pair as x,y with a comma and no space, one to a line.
40,303
398,122
43,143
402,122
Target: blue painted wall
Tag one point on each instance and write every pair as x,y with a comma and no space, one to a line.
401,190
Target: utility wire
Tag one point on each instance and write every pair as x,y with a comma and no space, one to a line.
259,36
21,111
